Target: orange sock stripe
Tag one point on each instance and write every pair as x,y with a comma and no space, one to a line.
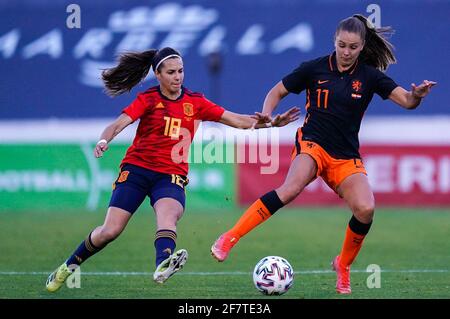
89,246
350,249
253,216
167,234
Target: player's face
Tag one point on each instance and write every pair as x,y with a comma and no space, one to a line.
171,75
348,47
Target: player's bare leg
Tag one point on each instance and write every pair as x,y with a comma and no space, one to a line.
115,222
302,170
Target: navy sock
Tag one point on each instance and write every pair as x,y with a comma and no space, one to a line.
165,243
83,252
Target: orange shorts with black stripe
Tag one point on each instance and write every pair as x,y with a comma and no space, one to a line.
333,171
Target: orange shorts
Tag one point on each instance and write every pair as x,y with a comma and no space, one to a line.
333,171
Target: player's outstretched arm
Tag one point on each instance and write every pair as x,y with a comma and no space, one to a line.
110,132
411,99
259,120
264,119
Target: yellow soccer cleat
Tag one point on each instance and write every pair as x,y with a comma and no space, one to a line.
170,266
57,278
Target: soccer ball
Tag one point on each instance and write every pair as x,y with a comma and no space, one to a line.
273,275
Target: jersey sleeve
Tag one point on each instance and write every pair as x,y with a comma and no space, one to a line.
210,111
137,108
383,85
297,80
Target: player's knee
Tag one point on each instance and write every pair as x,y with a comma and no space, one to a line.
170,214
288,192
168,222
109,233
177,216
364,211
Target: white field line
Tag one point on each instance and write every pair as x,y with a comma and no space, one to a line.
218,273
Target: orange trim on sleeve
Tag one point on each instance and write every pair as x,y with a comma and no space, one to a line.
308,100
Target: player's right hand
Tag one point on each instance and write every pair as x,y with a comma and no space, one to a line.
261,118
100,148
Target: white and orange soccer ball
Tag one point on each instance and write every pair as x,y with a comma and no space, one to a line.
273,275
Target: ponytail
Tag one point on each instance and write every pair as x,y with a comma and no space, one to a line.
133,67
377,52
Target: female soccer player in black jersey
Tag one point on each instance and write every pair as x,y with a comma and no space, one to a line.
339,88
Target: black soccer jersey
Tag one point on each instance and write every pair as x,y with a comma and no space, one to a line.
336,101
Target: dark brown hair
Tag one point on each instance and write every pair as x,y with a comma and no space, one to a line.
378,51
132,68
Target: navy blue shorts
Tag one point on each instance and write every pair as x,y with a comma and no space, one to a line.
134,183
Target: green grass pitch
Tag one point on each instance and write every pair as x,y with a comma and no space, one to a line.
411,246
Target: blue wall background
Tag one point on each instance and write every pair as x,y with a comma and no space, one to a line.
46,74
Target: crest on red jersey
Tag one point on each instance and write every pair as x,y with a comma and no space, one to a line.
356,85
188,109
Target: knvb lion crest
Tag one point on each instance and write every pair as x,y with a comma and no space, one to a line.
188,109
356,85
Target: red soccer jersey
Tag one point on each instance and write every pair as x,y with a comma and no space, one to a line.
166,129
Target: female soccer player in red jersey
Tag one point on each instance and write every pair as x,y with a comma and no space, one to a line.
153,165
339,87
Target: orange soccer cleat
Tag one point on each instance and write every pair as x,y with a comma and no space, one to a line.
343,277
223,245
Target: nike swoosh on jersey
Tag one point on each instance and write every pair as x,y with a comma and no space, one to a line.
322,81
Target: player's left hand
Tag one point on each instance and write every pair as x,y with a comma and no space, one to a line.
287,117
423,89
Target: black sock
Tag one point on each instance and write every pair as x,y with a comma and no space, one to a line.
272,201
